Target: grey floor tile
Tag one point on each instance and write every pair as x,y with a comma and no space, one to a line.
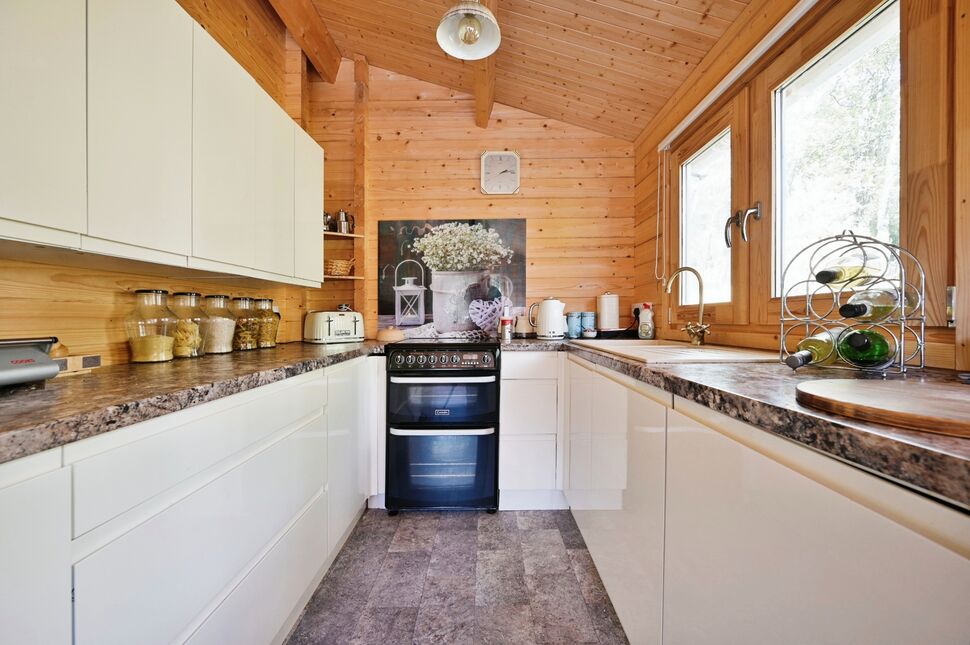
451,624
532,520
501,521
543,552
400,582
589,579
454,553
459,520
505,625
500,578
607,624
449,590
414,533
571,536
558,610
390,625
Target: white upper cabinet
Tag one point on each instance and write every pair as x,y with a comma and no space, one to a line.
274,227
308,213
140,124
223,156
42,113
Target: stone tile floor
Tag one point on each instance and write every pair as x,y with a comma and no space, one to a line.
461,577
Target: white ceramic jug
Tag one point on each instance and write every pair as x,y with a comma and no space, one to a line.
549,319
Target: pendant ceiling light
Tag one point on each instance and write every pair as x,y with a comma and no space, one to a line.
469,31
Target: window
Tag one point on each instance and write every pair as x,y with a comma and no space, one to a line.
705,198
837,143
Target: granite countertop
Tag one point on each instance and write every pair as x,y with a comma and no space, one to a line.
763,394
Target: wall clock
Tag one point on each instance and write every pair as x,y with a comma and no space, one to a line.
500,172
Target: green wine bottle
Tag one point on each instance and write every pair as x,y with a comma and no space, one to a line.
864,348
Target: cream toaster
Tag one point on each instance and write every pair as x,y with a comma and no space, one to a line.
333,327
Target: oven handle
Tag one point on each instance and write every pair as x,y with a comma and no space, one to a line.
442,379
478,432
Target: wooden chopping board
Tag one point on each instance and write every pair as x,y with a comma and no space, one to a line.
940,408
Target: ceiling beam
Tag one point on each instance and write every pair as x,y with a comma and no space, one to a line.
309,30
485,80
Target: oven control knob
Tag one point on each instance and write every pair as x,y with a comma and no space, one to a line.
410,359
432,359
486,359
422,359
444,359
455,359
398,359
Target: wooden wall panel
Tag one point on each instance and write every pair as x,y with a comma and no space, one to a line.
577,186
84,299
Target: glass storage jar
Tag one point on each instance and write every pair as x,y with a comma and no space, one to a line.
221,325
151,327
269,322
247,324
192,325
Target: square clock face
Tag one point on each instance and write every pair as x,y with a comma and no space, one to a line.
500,173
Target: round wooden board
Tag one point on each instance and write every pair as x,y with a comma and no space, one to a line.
941,408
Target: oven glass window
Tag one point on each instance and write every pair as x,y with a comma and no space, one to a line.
410,401
441,471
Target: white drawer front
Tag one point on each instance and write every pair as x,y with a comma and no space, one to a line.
149,585
527,463
258,607
529,407
525,365
110,483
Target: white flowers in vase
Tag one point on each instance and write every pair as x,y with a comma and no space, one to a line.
462,247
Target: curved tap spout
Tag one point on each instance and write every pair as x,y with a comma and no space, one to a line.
696,331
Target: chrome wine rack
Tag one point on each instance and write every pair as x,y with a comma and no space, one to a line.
809,307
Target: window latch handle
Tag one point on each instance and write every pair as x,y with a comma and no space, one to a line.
743,218
734,219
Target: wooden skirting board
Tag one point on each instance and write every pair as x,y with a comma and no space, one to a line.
940,408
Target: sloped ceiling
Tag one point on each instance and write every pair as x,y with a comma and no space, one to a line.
607,65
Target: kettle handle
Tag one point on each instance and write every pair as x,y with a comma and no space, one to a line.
532,318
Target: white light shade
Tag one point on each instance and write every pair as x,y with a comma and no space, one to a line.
450,31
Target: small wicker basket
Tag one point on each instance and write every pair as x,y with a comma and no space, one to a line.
338,267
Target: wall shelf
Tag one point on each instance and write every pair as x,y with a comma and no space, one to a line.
342,235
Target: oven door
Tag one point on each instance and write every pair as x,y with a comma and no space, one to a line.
450,400
442,468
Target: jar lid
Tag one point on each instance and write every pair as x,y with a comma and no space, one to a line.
187,293
242,299
151,291
215,296
264,300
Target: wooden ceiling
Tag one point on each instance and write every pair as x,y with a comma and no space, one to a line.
607,65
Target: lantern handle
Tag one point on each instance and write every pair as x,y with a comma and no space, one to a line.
402,262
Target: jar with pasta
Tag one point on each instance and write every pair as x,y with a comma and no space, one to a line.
221,325
247,324
151,327
269,322
192,326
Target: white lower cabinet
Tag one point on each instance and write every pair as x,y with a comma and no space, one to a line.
760,552
616,490
151,584
347,447
35,559
529,432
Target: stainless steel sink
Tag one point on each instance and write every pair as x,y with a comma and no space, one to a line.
671,351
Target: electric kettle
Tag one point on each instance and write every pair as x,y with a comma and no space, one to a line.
549,319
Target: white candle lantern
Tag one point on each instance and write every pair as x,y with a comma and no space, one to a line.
409,298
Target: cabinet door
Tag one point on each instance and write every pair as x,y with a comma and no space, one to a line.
35,560
759,553
597,432
626,543
42,113
527,462
346,448
140,124
529,407
274,186
223,156
309,206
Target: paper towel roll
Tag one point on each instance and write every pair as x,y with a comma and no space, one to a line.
608,311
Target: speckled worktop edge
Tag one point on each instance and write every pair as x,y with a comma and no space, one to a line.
762,394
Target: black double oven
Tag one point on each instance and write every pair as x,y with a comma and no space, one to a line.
442,425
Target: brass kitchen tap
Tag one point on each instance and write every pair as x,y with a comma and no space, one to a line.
695,330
